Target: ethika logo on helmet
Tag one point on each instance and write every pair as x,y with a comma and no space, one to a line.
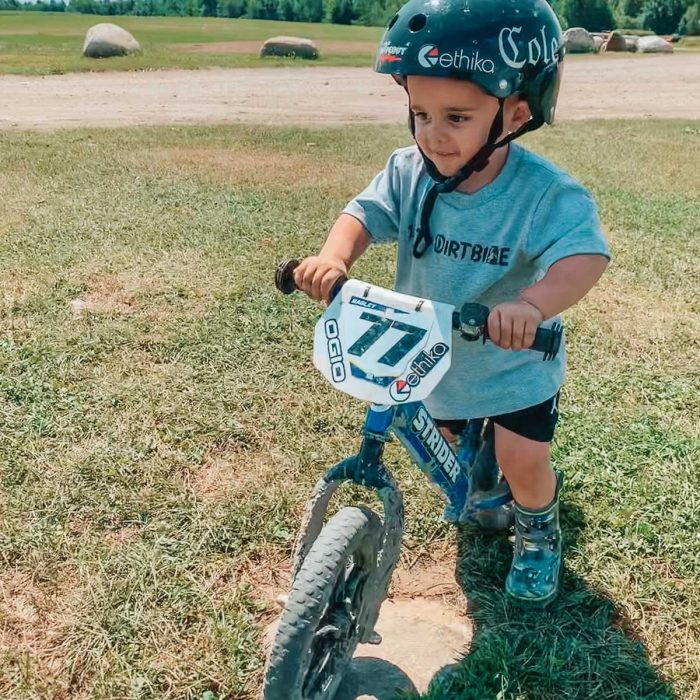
429,56
537,49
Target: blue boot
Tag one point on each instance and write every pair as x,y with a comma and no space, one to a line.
537,560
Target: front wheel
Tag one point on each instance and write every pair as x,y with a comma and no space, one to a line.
320,625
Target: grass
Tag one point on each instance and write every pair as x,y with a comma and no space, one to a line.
158,445
43,43
688,43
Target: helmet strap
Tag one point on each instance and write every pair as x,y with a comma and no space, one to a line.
444,184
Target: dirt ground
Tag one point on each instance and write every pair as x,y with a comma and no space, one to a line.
595,86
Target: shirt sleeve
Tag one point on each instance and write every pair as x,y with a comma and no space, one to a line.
377,207
565,223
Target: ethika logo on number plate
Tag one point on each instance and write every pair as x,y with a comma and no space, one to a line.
537,49
429,56
335,351
435,444
425,362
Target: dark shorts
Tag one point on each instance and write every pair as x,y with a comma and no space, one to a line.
535,422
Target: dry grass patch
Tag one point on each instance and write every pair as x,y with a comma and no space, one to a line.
121,536
173,282
252,167
637,324
226,474
31,616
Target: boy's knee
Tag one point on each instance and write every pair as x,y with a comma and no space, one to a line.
514,451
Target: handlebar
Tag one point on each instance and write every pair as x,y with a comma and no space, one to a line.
471,320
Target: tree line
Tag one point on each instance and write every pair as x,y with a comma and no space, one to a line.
659,16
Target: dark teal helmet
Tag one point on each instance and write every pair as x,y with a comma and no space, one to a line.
508,47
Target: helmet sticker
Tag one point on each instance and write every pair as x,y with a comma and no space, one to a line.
537,49
391,54
430,56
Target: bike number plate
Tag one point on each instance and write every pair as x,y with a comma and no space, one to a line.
382,346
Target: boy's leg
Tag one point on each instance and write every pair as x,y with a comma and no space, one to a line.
525,462
526,466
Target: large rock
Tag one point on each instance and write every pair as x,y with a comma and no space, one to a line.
631,40
105,40
615,42
578,40
598,43
653,44
289,46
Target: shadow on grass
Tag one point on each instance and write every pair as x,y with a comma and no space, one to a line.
575,648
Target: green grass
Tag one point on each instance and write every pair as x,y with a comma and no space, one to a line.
157,450
43,43
688,43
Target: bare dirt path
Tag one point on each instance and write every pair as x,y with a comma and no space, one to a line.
596,86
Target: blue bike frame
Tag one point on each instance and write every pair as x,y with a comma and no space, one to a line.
431,452
416,430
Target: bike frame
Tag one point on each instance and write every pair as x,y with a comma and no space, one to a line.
431,453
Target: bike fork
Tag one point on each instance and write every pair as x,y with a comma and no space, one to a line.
365,469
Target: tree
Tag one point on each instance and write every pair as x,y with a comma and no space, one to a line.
594,15
231,8
663,16
631,8
690,23
339,11
372,12
262,9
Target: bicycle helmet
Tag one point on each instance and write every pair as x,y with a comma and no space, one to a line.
507,47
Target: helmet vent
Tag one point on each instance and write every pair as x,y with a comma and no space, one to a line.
392,21
417,22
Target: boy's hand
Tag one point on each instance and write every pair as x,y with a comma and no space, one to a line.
316,275
512,325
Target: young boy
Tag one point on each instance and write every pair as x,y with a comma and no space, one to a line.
479,220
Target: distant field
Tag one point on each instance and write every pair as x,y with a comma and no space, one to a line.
52,43
45,43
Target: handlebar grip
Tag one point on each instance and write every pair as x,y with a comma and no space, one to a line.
547,341
284,276
284,279
472,323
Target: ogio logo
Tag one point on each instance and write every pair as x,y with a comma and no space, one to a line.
428,56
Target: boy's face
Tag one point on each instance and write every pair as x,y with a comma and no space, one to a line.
453,119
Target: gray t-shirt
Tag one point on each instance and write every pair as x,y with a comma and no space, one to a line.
487,247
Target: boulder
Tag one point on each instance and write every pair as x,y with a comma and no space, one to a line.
653,44
615,42
598,43
578,40
289,46
631,40
105,40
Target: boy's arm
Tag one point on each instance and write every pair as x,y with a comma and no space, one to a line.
512,325
567,281
346,241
